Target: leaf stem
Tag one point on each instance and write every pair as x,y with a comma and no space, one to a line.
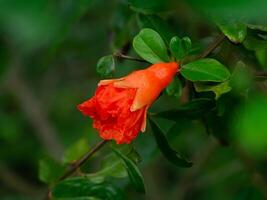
82,160
120,55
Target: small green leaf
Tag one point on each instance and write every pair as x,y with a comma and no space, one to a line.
82,188
106,66
150,46
174,88
180,47
110,166
75,151
234,30
217,88
196,108
134,174
49,170
206,69
165,148
113,166
158,24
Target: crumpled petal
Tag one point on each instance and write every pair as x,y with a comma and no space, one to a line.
110,110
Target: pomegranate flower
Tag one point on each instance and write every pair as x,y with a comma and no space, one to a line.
119,106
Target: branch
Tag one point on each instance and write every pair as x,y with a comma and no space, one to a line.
120,55
259,74
212,46
82,160
78,164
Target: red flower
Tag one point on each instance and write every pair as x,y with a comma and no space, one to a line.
119,106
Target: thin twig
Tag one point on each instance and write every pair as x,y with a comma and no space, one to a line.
82,160
212,46
78,164
120,55
259,74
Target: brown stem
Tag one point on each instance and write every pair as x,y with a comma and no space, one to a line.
83,159
212,46
78,164
259,74
120,55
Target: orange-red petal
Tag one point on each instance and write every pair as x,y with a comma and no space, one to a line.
110,110
119,106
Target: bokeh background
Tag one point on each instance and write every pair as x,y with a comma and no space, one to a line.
48,56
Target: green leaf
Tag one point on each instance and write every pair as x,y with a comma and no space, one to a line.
110,166
106,66
180,47
75,151
128,150
196,108
113,166
174,88
150,46
165,148
206,69
158,24
82,188
49,170
134,174
234,30
217,88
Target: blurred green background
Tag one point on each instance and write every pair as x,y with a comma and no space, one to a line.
48,56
